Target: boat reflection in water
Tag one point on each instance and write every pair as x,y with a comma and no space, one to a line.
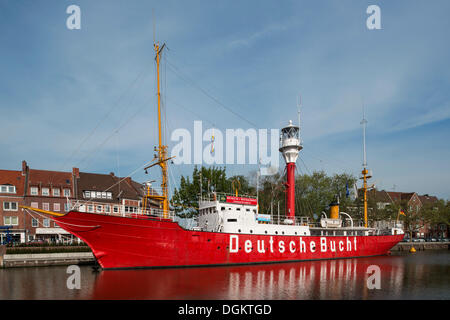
327,279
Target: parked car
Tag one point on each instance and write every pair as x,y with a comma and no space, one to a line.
443,240
418,240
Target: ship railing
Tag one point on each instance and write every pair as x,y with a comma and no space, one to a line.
388,224
220,196
275,219
120,210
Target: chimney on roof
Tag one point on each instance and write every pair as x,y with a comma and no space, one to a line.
112,174
76,173
24,167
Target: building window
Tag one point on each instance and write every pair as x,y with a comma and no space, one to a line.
45,191
56,192
35,205
34,223
66,192
7,189
34,191
66,207
11,221
56,207
46,223
10,206
45,206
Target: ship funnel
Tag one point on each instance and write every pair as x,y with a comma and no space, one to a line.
334,209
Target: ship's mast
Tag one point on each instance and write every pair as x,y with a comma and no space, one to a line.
365,172
161,149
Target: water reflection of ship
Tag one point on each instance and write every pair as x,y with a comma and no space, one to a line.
327,279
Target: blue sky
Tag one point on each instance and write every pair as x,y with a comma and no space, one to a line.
63,93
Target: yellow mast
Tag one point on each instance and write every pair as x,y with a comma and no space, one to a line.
365,172
161,149
365,176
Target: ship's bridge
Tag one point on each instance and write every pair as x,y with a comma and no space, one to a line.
221,212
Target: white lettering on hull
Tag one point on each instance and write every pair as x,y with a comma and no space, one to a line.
326,245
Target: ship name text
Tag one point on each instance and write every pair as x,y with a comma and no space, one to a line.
301,246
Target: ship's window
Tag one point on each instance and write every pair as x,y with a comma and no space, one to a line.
254,210
276,232
247,209
222,208
239,230
296,233
251,231
231,220
265,231
282,232
238,209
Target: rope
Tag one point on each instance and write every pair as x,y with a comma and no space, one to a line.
129,175
188,80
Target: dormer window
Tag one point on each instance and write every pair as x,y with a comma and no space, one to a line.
7,189
45,192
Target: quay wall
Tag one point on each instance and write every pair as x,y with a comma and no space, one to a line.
46,259
405,246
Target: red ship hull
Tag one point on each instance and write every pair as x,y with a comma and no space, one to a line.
121,242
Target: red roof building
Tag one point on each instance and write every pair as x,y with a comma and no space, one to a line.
11,197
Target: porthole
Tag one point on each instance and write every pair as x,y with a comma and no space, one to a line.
276,232
251,231
282,232
295,232
239,230
265,231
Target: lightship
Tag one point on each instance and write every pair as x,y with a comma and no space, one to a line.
230,230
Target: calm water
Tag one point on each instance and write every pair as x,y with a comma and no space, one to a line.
424,275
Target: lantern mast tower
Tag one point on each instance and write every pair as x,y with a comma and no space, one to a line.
290,147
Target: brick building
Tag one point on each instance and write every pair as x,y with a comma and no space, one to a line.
59,191
412,203
107,193
50,191
11,196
